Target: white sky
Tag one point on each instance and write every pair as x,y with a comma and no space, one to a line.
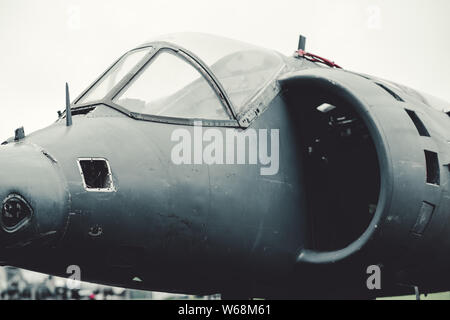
45,43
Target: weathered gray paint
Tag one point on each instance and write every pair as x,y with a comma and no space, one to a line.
205,229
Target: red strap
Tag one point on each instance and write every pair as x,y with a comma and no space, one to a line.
315,58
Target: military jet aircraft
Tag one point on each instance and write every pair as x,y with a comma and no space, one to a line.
198,164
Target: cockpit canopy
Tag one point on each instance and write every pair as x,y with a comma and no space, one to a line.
186,75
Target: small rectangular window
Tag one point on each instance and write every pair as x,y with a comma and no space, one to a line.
425,215
96,174
432,163
388,90
418,123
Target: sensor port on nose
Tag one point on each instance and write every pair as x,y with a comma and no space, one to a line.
16,213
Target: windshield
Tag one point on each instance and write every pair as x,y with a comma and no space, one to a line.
114,75
241,68
169,86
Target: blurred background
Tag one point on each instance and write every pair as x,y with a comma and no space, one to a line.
18,284
44,44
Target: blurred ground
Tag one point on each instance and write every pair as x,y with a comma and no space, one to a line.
17,284
434,296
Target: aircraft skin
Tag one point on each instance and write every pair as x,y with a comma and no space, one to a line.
363,184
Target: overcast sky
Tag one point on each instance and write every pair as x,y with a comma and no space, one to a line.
45,43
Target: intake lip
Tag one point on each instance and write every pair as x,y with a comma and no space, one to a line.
332,82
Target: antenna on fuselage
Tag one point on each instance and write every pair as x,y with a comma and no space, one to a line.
68,110
302,43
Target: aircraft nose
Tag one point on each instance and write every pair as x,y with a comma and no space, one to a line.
34,196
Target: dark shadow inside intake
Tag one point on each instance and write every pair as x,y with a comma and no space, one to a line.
341,168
